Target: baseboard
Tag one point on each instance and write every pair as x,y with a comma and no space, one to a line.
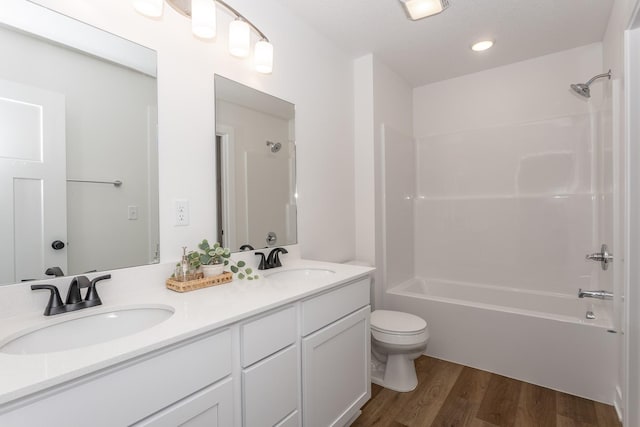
353,419
617,404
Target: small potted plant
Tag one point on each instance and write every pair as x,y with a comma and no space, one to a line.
213,259
210,259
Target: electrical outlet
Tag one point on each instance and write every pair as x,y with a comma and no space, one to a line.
132,212
182,212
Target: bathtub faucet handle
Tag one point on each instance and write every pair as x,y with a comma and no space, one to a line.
603,257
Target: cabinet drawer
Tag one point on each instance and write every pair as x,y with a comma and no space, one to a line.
131,391
319,311
270,389
211,407
268,334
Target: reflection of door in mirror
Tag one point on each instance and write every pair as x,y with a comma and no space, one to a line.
256,160
106,200
32,181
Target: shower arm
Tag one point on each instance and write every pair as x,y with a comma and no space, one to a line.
599,76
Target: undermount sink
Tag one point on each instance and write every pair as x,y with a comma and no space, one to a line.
301,274
87,330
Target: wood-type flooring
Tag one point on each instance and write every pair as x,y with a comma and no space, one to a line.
452,395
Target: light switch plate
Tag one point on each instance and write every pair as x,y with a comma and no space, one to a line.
132,212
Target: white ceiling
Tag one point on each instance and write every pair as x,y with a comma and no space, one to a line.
437,48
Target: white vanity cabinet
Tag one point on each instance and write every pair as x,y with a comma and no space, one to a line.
161,383
302,363
270,369
335,355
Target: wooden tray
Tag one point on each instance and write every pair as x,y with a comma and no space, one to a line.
196,284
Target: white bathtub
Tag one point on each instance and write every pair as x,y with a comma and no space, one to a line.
540,338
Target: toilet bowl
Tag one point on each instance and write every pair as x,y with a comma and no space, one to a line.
397,339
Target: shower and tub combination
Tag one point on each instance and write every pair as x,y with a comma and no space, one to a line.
497,263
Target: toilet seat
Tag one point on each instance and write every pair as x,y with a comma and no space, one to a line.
395,327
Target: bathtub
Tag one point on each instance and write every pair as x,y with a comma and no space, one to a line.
540,338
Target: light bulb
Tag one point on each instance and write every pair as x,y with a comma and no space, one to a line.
239,38
263,57
482,45
203,18
419,9
150,8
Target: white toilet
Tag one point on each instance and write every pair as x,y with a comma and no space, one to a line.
397,339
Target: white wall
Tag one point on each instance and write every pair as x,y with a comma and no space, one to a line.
308,71
383,112
505,175
95,143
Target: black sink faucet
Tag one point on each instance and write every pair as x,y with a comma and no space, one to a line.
74,299
274,257
272,261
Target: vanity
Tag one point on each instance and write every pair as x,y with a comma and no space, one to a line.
289,349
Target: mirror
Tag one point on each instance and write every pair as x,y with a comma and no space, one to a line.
255,158
78,147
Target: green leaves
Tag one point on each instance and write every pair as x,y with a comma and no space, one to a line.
215,254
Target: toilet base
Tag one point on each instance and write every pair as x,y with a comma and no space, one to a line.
397,374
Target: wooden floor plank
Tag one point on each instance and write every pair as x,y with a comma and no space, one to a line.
536,407
450,395
431,394
463,401
607,415
576,408
500,403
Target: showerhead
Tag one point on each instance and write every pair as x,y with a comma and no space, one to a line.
274,146
582,89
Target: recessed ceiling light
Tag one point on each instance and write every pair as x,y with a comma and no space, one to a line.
482,45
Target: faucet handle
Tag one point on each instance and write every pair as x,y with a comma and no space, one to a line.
92,296
54,306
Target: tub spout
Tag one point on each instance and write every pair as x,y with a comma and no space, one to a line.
595,294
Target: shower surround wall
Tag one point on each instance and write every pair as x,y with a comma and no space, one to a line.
510,190
507,177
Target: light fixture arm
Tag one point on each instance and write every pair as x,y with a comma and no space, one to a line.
184,7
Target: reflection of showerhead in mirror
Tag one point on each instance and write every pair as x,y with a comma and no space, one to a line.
274,146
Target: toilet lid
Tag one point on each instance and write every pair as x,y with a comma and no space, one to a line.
397,322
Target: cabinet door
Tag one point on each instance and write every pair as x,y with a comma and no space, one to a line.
271,389
335,371
211,407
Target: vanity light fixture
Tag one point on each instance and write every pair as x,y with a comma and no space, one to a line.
482,45
203,25
418,9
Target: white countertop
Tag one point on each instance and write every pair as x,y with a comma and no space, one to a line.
195,313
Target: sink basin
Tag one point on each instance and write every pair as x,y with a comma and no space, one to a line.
301,274
88,330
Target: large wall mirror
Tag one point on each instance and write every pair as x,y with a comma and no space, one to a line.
255,156
78,147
